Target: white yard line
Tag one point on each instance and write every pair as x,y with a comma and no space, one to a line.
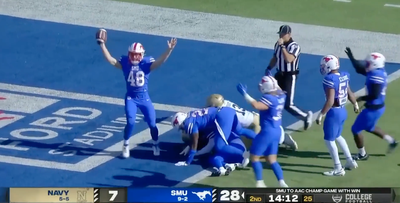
392,5
344,1
295,126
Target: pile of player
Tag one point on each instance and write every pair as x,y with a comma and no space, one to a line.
217,129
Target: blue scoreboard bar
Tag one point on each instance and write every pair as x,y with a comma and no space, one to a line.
170,195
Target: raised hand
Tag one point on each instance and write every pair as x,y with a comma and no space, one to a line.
172,43
242,89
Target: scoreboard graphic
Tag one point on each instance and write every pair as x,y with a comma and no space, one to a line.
256,195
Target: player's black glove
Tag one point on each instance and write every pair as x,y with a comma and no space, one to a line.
358,65
349,53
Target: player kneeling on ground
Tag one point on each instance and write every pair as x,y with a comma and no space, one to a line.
205,151
249,120
222,121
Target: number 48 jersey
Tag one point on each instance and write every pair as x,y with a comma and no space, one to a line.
136,76
246,118
339,82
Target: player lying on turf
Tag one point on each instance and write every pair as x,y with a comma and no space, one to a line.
247,119
337,89
375,85
223,121
136,69
266,142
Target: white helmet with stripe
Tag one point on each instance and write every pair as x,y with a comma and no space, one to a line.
136,53
328,64
268,84
178,119
375,60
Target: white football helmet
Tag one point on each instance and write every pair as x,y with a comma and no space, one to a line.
178,119
136,53
375,60
268,84
328,64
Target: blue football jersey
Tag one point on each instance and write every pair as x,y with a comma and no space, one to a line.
339,82
272,117
136,76
377,76
200,120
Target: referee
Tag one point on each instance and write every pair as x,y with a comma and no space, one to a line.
286,57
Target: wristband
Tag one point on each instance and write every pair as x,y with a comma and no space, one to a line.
248,98
282,46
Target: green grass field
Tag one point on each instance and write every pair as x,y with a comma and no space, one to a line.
368,15
304,167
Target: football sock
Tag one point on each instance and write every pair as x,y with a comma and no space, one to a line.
258,168
345,148
362,151
333,151
388,138
217,161
277,170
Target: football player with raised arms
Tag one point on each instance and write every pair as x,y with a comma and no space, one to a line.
266,142
223,121
373,67
337,91
247,119
136,69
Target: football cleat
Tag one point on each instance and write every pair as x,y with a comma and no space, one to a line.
360,157
335,172
351,165
125,151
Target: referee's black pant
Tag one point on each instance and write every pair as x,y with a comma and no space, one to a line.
287,81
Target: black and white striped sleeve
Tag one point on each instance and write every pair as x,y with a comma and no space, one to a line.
294,48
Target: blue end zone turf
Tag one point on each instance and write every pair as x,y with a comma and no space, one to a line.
66,57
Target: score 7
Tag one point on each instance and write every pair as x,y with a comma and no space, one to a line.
114,194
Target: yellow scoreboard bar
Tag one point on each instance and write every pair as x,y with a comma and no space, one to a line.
47,195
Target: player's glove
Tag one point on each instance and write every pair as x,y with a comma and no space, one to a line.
185,151
319,118
348,52
242,89
356,108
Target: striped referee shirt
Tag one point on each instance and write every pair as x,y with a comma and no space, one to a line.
293,48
